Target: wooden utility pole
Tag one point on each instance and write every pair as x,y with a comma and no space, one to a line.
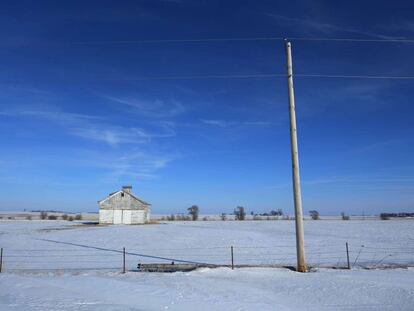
232,258
297,197
123,260
347,256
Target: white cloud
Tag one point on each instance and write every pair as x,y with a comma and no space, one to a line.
112,135
140,165
313,24
155,109
49,113
377,147
219,123
228,124
97,128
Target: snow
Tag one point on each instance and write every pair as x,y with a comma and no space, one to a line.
57,265
30,244
211,289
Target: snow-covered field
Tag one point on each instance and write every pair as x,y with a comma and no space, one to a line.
56,265
33,245
211,289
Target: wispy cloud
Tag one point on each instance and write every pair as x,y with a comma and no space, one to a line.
155,109
29,90
115,135
112,135
344,97
311,24
95,127
402,26
367,92
112,166
219,123
145,163
50,113
141,165
228,124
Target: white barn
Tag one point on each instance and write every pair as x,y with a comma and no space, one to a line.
123,207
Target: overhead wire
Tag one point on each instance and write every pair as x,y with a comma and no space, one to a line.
248,76
245,76
354,76
235,39
384,40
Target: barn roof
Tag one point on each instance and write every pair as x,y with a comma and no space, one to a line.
116,192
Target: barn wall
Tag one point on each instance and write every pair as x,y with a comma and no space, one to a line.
118,201
106,216
126,217
125,209
148,215
138,216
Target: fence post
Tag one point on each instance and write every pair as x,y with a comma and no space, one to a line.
123,253
347,256
1,259
232,258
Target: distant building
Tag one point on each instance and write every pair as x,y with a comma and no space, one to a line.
123,207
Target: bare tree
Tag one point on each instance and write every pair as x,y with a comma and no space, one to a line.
193,211
384,216
314,214
240,213
223,216
278,212
344,216
43,215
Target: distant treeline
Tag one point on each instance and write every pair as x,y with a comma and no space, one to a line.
402,215
48,211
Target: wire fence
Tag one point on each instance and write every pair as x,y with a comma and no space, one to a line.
98,258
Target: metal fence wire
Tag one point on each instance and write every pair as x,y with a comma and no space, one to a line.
98,258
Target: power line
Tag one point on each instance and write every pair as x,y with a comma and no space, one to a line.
177,40
218,76
390,40
243,76
184,77
354,76
200,40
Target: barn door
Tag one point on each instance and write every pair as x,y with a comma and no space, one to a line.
126,217
117,217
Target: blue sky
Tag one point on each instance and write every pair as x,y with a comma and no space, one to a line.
77,120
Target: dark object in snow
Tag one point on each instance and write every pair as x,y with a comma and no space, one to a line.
166,267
